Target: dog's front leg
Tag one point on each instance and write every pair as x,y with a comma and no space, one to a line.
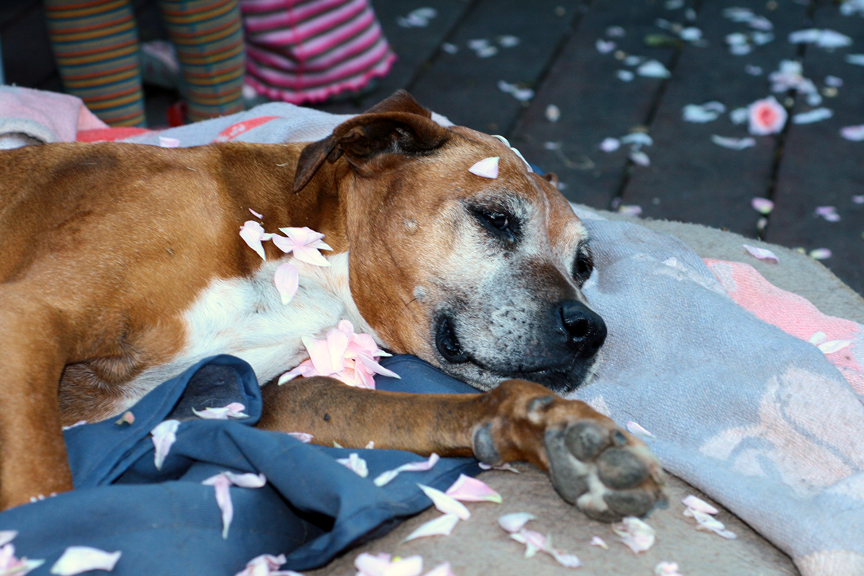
32,452
605,471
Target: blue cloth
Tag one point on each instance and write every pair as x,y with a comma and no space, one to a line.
166,522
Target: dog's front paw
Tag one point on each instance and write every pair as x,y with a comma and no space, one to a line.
604,471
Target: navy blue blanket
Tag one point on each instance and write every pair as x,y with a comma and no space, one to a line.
167,522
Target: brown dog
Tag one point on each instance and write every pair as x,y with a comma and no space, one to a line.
122,265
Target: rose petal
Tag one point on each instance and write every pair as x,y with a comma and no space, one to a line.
766,117
256,214
815,115
127,418
75,425
221,483
356,464
709,523
653,69
699,505
597,541
761,253
820,253
468,489
167,142
635,534
164,436
252,233
245,480
666,569
534,541
630,209
506,467
233,411
287,280
604,46
733,143
377,368
610,144
636,428
441,570
515,522
637,139
441,526
640,158
625,75
7,536
486,168
853,133
309,255
566,560
266,565
833,346
77,559
446,504
421,466
305,368
762,205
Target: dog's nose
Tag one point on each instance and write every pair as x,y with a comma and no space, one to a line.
585,329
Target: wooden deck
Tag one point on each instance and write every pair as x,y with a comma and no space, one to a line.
689,177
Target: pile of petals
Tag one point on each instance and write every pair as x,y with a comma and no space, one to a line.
233,411
9,564
703,513
266,565
385,565
422,466
635,534
78,559
222,482
534,542
344,355
464,489
303,243
790,76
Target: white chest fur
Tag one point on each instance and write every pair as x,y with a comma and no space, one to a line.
245,317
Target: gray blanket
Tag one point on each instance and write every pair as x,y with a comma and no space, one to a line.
756,418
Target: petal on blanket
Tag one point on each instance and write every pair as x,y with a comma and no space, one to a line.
78,559
164,436
302,436
287,280
445,503
441,526
421,466
355,464
514,522
7,536
265,565
233,411
222,486
468,489
761,253
247,480
486,168
832,346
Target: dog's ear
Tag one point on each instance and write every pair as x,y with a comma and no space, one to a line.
397,125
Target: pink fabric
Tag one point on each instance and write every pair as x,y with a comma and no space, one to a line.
59,115
794,315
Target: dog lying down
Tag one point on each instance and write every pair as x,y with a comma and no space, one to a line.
122,266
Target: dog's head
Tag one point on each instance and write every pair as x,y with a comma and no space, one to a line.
480,276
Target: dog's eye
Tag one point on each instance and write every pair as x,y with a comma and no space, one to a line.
500,224
583,266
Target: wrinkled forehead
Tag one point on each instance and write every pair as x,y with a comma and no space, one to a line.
516,187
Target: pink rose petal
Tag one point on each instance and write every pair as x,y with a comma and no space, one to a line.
709,523
630,209
761,253
233,411
832,346
514,522
441,526
762,205
382,565
566,560
666,569
287,280
635,534
853,133
699,505
820,253
766,117
167,142
304,243
610,144
468,489
534,541
221,483
421,466
636,428
356,464
256,214
597,541
266,565
441,570
127,418
486,168
506,467
7,536
78,559
252,233
302,436
164,436
446,504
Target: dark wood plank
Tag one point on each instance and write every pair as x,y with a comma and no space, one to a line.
464,87
27,57
593,102
416,47
819,168
690,178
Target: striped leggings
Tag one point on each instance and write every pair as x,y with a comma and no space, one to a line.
95,45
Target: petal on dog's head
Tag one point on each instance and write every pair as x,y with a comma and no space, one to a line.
252,233
287,280
78,559
486,168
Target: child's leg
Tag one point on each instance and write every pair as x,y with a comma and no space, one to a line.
208,36
95,45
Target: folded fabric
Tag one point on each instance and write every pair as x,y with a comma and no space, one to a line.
35,115
167,522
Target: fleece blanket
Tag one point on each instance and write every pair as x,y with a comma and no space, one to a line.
758,419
